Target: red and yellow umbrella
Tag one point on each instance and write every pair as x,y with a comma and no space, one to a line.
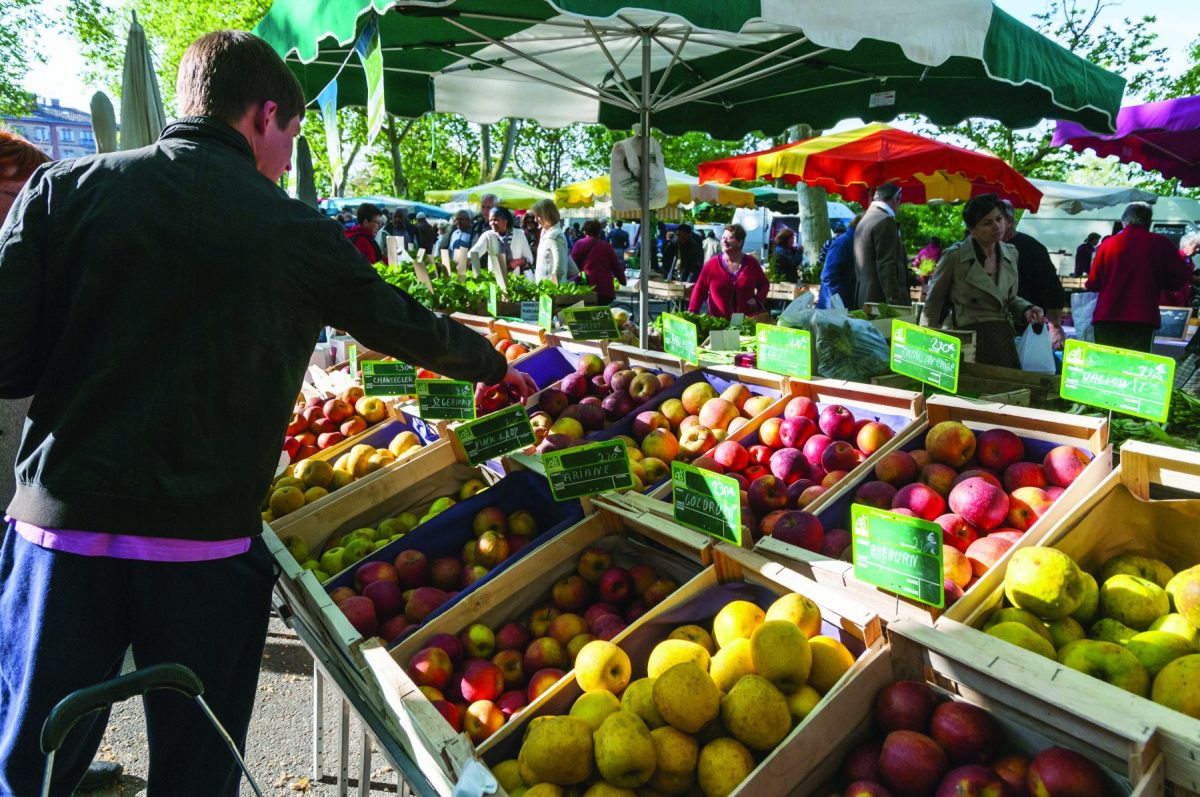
853,163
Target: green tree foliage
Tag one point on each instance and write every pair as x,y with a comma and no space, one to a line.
18,21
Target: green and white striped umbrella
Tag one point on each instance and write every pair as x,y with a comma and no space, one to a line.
727,68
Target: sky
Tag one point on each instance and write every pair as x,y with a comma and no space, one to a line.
60,77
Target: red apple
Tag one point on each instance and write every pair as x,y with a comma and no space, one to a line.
374,571
767,493
450,644
394,628
972,780
956,531
768,432
862,763
570,593
836,422
643,576
801,407
731,455
541,681
387,597
544,652
789,465
412,568
760,454
1024,474
998,448
897,468
794,432
424,601
967,733
911,763
593,562
615,585
875,493
445,572
920,499
839,455
450,713
980,503
360,611
512,667
512,636
481,680
430,667
802,529
1063,464
512,702
904,705
872,436
1058,772
482,719
985,552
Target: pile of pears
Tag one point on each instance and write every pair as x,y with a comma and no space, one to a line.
1134,623
711,707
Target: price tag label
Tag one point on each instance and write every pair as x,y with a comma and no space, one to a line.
926,355
707,502
679,338
587,470
352,354
495,435
784,351
898,553
1117,379
530,312
493,300
545,317
591,323
446,400
382,378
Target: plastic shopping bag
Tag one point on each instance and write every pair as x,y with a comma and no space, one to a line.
1036,350
1083,305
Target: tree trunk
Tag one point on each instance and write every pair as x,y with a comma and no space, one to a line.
399,180
510,140
814,210
485,153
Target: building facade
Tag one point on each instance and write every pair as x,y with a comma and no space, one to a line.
58,131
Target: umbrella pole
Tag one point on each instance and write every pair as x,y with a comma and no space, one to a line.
647,234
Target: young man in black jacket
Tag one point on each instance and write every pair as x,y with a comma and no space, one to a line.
163,368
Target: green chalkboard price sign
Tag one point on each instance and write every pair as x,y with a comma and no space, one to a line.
898,553
495,435
545,317
1117,379
784,351
493,300
679,338
926,355
707,502
529,312
352,354
446,400
385,378
591,323
587,470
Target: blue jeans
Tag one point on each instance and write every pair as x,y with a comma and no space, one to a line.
65,623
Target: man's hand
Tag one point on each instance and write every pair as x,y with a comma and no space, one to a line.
1034,315
519,386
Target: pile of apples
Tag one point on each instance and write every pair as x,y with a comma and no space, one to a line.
389,598
497,397
1134,624
318,423
951,748
981,491
590,399
310,480
714,702
482,677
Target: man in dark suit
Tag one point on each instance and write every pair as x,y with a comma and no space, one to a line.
880,263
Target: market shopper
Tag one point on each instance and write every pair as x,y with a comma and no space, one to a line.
732,281
975,286
683,257
151,439
598,261
426,234
1084,254
459,235
365,234
1037,277
1189,246
553,254
482,222
1129,272
503,239
881,267
787,256
838,273
618,238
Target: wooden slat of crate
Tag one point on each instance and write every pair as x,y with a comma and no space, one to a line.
658,289
1086,432
786,291
479,323
751,376
660,361
996,379
1089,535
519,331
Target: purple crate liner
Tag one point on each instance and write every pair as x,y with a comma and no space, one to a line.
549,364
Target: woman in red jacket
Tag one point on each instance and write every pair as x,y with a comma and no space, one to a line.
598,260
731,281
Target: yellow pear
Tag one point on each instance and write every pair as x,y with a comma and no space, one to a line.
802,702
604,789
545,790
594,707
625,753
638,698
781,654
669,652
724,763
558,750
798,609
1136,602
830,660
602,665
756,713
1020,635
1178,625
694,633
677,754
731,663
736,620
508,774
1178,686
686,697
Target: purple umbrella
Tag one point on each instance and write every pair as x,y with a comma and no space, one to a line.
1163,136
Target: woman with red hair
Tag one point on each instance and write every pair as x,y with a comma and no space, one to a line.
18,159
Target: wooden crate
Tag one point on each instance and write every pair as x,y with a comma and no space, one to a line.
1149,505
1038,428
659,289
479,323
1126,749
512,596
786,291
994,379
740,575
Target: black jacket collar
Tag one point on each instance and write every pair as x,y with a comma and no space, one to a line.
208,128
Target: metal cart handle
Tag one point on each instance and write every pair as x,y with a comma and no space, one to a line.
82,702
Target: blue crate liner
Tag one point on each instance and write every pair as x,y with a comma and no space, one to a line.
445,534
837,514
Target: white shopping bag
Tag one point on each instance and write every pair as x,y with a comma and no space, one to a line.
1083,305
1036,350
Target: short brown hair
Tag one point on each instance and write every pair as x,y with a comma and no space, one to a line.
18,158
737,230
226,72
546,209
593,228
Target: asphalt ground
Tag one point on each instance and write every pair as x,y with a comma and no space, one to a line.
279,747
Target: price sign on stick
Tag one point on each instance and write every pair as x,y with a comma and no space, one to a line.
587,470
446,400
545,318
784,351
926,355
707,502
1117,379
495,435
591,323
529,312
679,338
898,553
492,300
352,354
382,378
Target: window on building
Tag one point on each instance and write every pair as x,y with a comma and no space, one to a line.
41,134
66,134
86,137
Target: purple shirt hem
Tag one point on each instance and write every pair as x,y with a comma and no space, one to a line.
127,546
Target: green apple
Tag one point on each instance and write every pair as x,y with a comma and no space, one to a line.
1064,631
1108,662
470,487
389,527
1132,564
1157,649
356,549
379,545
366,532
321,576
334,560
311,564
1177,624
298,548
409,519
1136,602
1044,581
1184,590
1011,614
1091,600
440,505
1110,630
1022,636
1178,686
